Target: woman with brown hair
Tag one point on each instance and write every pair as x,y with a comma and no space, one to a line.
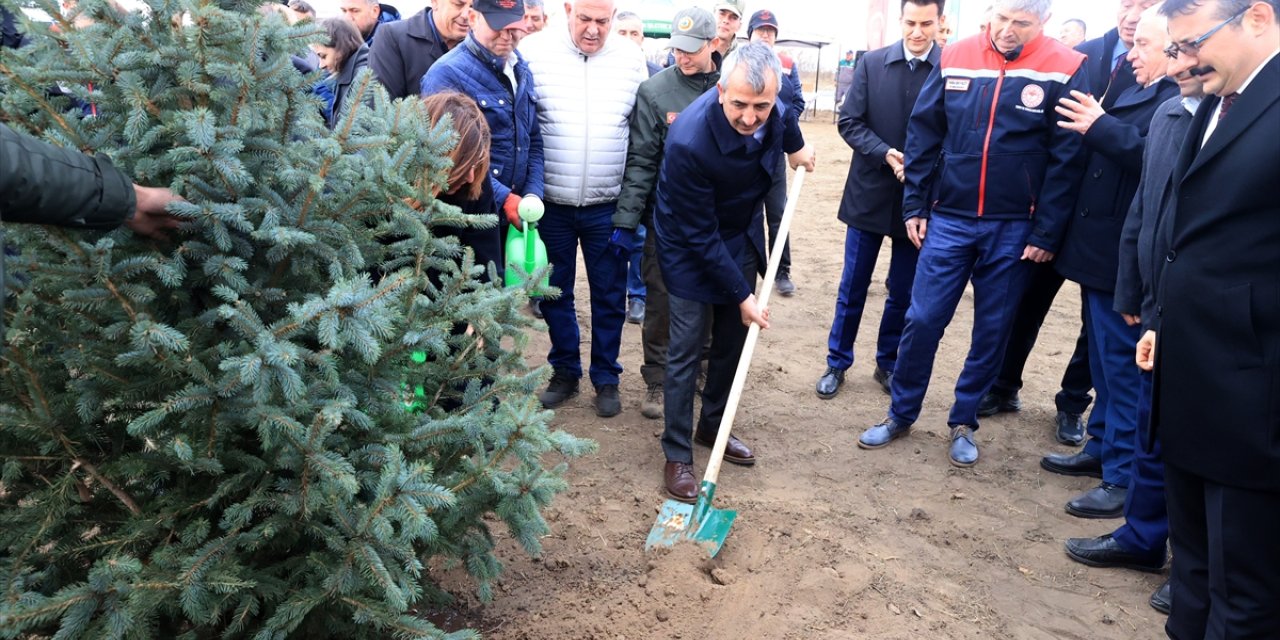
468,185
343,55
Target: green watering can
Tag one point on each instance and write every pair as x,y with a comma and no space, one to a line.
525,249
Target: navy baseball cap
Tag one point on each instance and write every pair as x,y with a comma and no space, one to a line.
500,13
762,18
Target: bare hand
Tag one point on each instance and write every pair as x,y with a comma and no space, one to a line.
1131,320
900,173
894,159
1146,356
1080,113
805,157
916,228
751,312
150,219
1036,254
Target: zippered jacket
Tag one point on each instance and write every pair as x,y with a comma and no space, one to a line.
658,102
984,142
584,102
515,152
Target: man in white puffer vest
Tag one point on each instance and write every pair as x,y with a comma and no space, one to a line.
585,87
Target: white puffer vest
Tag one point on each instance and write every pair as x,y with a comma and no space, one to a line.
584,103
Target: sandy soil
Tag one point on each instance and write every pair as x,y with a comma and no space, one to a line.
830,541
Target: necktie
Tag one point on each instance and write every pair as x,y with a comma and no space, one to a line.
1227,101
913,63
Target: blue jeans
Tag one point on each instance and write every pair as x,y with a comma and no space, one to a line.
1116,382
635,279
955,251
563,228
1146,519
861,249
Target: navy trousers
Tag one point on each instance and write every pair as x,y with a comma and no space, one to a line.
562,229
955,251
1146,520
861,249
1116,383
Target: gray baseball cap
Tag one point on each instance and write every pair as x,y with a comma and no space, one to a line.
692,29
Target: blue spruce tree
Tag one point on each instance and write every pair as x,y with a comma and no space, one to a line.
208,437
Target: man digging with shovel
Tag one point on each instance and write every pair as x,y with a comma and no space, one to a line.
720,161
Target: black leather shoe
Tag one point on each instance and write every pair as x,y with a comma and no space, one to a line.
884,378
635,311
1105,552
882,434
1103,501
1162,599
993,403
736,451
535,307
1070,428
829,383
563,386
1078,464
608,402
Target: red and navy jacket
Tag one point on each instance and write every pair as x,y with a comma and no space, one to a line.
983,140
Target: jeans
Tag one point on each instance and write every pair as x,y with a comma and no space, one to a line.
635,278
563,229
775,203
958,250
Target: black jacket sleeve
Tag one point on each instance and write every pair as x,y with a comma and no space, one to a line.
44,184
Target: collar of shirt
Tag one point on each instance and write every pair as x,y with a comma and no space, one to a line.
908,56
1255,73
1119,52
1191,104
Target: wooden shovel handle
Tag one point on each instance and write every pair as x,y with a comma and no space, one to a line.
753,333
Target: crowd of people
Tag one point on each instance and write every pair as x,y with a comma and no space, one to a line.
1006,160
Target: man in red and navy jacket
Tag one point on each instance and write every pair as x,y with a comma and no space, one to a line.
990,181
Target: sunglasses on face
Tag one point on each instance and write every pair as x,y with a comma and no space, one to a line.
1192,48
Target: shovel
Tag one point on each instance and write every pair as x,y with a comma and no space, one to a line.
700,522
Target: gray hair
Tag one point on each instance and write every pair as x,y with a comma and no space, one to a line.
533,4
626,15
756,59
1039,8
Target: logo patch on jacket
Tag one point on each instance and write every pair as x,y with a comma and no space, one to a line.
1032,96
671,116
958,84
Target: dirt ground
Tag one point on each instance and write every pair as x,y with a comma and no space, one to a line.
831,541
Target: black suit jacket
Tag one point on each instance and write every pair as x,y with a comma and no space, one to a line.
873,119
1090,250
1135,293
1099,65
1217,377
402,53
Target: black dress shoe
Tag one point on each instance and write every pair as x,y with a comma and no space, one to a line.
884,378
1078,464
1103,501
1070,428
829,383
992,403
1162,599
1105,552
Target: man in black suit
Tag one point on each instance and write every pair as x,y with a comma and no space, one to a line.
1109,75
405,49
873,121
1215,339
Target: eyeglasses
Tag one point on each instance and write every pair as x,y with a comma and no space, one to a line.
1192,48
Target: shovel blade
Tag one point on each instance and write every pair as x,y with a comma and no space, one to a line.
699,523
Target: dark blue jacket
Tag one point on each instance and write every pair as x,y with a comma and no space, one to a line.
515,156
1099,65
1135,275
404,51
707,213
984,140
1090,249
341,84
873,119
388,14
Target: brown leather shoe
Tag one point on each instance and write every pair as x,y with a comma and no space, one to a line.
736,452
681,484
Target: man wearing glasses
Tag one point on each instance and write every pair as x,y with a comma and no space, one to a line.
1214,343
